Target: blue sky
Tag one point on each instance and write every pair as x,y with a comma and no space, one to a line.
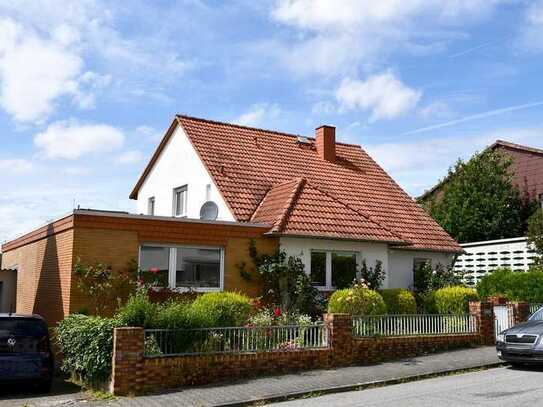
87,87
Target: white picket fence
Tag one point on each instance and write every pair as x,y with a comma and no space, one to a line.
413,325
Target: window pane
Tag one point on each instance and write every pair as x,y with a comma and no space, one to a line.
198,268
318,268
343,269
179,197
156,260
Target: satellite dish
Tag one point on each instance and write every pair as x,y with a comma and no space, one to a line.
209,211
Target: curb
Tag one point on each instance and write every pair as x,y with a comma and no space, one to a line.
359,386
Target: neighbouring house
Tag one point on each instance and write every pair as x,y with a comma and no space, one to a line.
209,190
526,165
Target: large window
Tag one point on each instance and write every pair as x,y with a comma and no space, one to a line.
330,269
181,267
418,262
180,201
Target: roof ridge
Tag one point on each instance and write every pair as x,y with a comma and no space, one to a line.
357,211
241,126
517,146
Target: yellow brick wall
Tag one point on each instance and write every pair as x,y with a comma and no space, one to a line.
43,276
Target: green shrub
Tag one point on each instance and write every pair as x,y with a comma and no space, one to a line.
515,286
357,301
220,309
139,311
86,344
399,301
454,300
175,315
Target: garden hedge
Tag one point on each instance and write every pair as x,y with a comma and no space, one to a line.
515,286
399,301
453,300
357,301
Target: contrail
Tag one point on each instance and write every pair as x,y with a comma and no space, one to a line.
477,116
467,51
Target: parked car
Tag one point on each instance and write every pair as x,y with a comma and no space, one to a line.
25,351
523,343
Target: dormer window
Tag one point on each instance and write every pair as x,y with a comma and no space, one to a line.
180,201
151,206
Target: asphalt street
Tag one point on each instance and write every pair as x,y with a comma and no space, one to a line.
495,387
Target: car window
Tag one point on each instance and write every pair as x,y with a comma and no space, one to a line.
22,327
537,316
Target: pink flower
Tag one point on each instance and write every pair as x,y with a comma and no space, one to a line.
154,270
277,312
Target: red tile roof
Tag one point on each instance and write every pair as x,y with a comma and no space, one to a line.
259,173
297,208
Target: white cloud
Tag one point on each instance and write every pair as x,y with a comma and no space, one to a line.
130,157
259,115
384,95
15,166
337,39
438,109
34,72
71,140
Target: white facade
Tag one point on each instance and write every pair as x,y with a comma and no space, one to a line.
398,264
179,165
484,257
401,263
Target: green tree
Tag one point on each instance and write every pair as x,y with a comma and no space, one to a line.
479,200
535,233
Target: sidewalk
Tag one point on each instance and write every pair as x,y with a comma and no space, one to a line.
274,388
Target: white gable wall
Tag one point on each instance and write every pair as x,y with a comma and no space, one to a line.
179,165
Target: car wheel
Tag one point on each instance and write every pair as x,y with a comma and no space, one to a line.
516,365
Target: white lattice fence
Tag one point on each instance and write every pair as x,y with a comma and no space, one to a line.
484,257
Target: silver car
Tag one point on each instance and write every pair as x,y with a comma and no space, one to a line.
523,344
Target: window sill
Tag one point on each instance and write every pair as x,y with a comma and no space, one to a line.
188,289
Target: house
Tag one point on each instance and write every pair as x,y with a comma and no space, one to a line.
209,190
526,166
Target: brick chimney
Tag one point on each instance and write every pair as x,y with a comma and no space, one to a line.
325,141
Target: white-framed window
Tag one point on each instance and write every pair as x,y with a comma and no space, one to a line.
327,267
180,201
200,268
151,206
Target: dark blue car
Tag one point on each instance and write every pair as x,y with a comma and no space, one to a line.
25,351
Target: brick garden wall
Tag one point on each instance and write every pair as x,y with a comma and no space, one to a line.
134,374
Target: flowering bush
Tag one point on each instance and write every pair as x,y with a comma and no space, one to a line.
357,301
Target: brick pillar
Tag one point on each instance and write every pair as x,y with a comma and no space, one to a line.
340,328
519,310
484,312
127,361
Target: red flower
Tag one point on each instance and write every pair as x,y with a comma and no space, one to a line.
140,281
154,270
277,312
